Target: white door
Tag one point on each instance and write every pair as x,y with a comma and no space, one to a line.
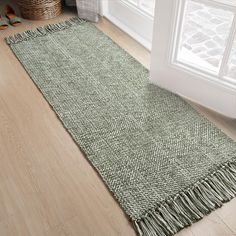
135,17
194,51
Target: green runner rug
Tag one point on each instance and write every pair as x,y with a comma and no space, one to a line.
166,165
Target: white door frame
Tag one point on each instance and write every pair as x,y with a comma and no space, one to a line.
213,91
138,24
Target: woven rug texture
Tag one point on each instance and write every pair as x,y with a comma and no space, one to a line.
166,165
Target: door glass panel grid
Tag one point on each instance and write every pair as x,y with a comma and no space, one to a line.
203,38
231,67
228,67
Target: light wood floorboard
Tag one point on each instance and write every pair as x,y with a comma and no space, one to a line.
47,187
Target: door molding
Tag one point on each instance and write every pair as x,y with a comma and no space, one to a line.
133,21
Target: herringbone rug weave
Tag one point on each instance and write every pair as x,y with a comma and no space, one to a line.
166,165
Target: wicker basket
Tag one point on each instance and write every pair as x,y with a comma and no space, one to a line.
39,9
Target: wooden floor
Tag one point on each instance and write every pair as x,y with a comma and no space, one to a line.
47,187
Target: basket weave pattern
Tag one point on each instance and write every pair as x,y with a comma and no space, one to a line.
40,9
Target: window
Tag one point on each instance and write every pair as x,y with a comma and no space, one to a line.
194,53
205,38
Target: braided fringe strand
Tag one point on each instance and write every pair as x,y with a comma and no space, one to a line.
42,31
191,204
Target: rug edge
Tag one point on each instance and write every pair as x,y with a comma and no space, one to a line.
43,30
191,204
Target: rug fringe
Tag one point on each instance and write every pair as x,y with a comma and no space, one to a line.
191,204
42,31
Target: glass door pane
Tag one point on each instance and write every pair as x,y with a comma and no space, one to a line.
231,69
202,42
192,44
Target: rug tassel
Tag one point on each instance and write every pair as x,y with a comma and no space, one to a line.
42,31
190,205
